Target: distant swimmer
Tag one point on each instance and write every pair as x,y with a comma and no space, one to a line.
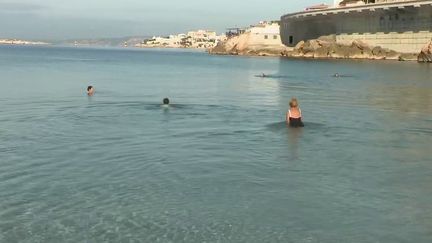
337,75
90,90
262,75
166,101
294,115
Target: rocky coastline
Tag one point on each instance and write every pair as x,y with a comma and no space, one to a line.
326,47
243,45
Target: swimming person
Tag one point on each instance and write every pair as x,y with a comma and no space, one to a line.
294,116
166,101
90,90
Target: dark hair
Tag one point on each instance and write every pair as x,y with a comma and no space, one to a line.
166,101
89,87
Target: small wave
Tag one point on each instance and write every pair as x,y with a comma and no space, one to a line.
421,130
277,126
274,76
73,59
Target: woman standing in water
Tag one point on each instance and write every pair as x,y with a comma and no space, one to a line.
294,116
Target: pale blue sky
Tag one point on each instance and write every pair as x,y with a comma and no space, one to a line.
61,19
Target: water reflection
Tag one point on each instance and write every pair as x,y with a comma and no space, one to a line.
403,98
294,136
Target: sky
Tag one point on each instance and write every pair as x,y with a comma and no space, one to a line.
74,19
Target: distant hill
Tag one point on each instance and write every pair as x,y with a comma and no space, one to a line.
122,41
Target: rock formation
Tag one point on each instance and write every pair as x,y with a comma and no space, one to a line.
244,45
325,47
426,53
328,47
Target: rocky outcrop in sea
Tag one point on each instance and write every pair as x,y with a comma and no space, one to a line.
244,45
327,47
426,53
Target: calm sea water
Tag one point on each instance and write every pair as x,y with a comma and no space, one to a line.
219,165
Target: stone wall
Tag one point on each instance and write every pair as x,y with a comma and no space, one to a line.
402,28
408,42
328,47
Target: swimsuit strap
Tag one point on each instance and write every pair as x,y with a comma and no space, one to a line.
289,112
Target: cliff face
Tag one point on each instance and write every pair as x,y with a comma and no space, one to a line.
245,44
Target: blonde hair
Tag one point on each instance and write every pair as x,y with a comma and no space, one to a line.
293,103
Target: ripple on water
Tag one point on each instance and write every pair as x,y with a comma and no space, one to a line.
219,164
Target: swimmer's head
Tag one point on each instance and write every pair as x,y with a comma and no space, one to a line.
293,103
336,75
90,90
165,101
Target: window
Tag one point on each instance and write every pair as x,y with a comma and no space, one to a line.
266,37
275,37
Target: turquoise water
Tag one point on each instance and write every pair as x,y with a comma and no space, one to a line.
219,165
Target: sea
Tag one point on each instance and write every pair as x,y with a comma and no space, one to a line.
219,164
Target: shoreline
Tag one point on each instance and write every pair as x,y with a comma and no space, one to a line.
288,53
27,44
17,42
313,58
324,48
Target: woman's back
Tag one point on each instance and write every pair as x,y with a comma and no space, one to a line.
294,112
294,116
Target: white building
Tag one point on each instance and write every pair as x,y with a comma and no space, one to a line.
20,42
265,33
202,38
193,39
169,41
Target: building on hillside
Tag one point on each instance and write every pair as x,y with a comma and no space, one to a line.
266,33
317,7
231,32
202,38
169,41
346,3
193,39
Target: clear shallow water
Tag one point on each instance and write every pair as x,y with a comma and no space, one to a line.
220,165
